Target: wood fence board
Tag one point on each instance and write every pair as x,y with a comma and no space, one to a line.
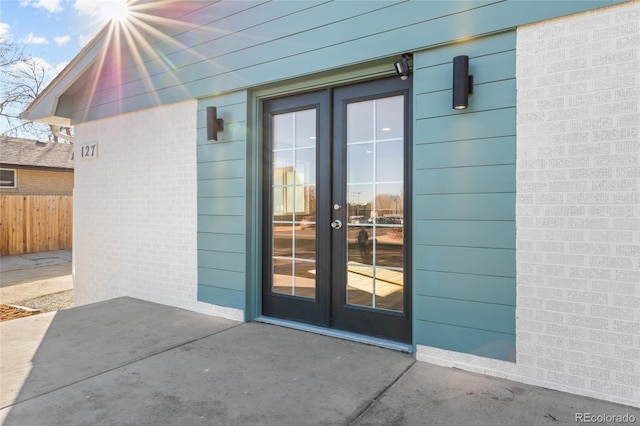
34,223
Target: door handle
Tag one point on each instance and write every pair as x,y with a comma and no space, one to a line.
336,224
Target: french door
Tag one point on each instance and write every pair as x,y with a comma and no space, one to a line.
336,208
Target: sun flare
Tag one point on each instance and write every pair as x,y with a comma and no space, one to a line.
114,10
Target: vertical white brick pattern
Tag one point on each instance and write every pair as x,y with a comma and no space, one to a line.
135,210
578,203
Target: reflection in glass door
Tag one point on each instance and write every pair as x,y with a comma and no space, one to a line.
375,196
334,230
295,163
370,280
294,203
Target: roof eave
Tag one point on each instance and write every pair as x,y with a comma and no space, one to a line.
30,166
53,120
43,109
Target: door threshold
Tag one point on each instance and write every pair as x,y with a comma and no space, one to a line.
340,334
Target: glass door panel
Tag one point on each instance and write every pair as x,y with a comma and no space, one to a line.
293,201
333,225
375,182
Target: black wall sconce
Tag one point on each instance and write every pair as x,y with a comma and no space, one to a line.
214,124
462,82
402,66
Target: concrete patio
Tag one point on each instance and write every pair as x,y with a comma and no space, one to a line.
127,361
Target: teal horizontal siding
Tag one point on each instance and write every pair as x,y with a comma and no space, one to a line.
469,180
485,70
483,343
474,152
231,280
223,169
221,296
501,206
234,131
309,29
251,22
465,313
252,44
467,125
466,260
229,17
467,233
222,260
468,287
222,223
464,200
216,152
486,96
283,29
228,187
499,52
221,206
232,243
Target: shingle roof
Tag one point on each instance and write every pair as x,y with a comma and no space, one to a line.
28,152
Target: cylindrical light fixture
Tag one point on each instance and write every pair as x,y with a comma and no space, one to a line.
462,82
214,124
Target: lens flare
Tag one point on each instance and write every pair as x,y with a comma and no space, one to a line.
114,10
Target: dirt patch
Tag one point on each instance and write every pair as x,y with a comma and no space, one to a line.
12,312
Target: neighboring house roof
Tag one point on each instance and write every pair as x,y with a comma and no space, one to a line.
29,152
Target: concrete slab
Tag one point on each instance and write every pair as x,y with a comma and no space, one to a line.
37,273
19,342
434,395
32,289
61,348
254,374
126,361
32,260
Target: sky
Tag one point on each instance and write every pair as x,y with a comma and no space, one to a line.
54,31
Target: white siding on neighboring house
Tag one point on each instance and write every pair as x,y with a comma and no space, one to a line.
577,209
135,209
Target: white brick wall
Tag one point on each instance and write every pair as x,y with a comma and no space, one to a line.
578,203
577,208
135,210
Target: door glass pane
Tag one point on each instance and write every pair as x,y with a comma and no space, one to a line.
360,122
283,131
306,165
282,240
389,161
294,203
305,239
360,244
360,202
389,245
282,167
306,128
389,118
305,279
360,288
360,162
282,276
375,197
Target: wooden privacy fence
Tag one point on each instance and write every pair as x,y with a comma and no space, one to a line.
34,223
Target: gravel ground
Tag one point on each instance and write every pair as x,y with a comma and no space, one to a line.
50,302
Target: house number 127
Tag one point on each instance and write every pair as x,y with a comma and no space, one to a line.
89,151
